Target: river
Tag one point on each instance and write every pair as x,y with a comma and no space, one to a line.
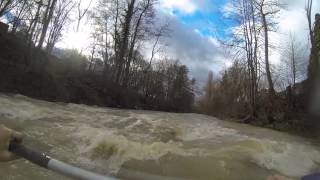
134,144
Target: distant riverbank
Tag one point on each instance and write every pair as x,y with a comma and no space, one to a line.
29,71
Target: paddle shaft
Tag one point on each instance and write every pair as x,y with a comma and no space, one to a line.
47,162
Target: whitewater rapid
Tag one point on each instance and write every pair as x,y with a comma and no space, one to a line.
134,144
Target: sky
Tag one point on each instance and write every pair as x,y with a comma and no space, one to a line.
196,27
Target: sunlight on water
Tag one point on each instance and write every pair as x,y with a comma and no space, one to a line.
134,144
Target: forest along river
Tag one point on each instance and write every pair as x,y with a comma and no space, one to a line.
151,145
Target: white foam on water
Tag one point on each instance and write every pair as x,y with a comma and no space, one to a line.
205,130
13,108
289,158
125,149
24,108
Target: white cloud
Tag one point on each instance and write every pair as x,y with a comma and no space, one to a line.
200,53
215,41
75,40
197,31
184,6
292,20
228,9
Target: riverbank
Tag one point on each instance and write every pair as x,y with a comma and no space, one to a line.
294,126
288,111
68,76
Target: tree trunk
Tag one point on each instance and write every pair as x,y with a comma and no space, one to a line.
106,56
116,42
124,40
293,61
16,22
132,45
309,14
92,57
47,19
266,49
35,22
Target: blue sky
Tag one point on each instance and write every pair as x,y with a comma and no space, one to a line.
207,19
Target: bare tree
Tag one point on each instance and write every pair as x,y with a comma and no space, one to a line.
116,35
245,44
7,5
314,62
59,20
124,41
46,21
146,12
108,18
293,69
34,21
251,47
268,9
308,10
102,17
227,96
159,33
21,9
125,26
209,88
81,12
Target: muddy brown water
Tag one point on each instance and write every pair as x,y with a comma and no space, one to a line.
150,145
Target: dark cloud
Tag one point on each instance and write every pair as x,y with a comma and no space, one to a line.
199,53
